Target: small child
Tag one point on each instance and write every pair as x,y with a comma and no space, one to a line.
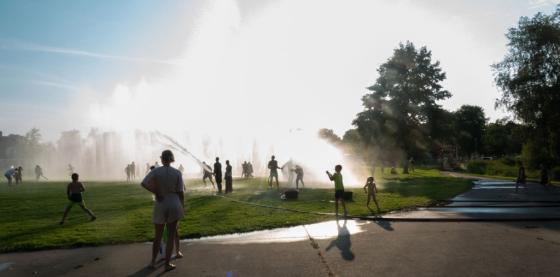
74,193
370,188
338,188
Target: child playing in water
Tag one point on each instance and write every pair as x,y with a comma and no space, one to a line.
338,188
370,188
74,193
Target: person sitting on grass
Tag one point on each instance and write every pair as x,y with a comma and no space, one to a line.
338,188
370,189
74,192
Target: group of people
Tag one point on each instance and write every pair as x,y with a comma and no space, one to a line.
130,171
544,180
370,188
14,173
167,186
228,176
246,169
273,172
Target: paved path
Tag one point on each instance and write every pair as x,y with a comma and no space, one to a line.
494,201
351,248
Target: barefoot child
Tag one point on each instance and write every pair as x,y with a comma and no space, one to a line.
339,188
74,193
370,188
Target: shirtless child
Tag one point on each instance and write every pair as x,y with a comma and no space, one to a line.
371,189
74,192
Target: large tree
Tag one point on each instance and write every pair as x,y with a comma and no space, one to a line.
529,79
401,103
469,129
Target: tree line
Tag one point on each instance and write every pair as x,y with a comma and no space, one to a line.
401,116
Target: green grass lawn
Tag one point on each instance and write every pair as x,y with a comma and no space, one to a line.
29,213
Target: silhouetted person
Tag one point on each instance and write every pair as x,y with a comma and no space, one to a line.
39,172
218,174
273,167
371,189
74,192
250,169
244,170
127,172
207,174
299,176
411,164
338,188
132,171
228,178
521,177
545,176
9,174
19,174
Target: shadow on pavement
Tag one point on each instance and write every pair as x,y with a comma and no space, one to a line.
385,224
342,242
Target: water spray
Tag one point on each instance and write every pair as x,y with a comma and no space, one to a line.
171,143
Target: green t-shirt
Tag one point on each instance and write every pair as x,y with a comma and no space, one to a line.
338,185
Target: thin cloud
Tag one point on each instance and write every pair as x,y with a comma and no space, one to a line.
57,85
535,4
25,46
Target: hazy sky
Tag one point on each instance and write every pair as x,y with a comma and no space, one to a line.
213,67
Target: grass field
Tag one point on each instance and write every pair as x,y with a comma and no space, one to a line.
29,213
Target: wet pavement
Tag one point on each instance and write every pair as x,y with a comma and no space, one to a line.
520,237
493,200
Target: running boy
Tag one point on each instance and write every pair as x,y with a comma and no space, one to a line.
74,193
370,188
338,188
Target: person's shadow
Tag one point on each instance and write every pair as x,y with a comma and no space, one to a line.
342,242
384,224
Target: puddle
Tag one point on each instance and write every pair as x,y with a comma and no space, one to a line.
5,266
494,187
499,210
323,230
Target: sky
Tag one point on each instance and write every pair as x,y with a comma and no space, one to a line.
217,67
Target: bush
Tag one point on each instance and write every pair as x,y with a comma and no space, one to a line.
477,167
556,173
495,168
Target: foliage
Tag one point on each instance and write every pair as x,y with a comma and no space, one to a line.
401,102
502,167
530,82
469,128
503,138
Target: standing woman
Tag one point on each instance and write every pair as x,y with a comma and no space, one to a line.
167,184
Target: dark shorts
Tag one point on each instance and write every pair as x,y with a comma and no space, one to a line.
273,174
75,197
338,194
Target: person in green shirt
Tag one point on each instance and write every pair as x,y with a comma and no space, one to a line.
338,188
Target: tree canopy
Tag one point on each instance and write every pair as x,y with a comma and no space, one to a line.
529,80
401,102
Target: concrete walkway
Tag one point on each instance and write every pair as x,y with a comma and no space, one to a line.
350,248
494,201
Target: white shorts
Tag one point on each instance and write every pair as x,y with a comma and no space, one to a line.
169,210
